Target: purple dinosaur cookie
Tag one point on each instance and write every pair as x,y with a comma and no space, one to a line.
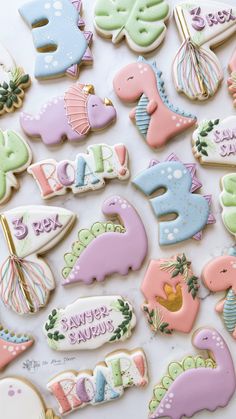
71,116
196,383
107,248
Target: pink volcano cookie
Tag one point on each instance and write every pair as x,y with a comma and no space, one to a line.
196,383
108,248
232,78
12,346
71,116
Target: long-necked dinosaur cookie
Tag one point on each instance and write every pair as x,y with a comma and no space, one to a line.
170,290
156,118
179,181
15,157
13,83
71,116
219,275
87,172
25,279
228,202
202,25
107,248
89,323
20,399
12,345
196,383
232,78
142,23
57,29
214,142
107,382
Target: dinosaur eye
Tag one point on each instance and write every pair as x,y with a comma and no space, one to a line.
130,78
112,203
223,271
206,338
94,105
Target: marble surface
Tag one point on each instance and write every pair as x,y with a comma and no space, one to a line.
40,363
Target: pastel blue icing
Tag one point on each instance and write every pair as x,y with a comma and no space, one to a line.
192,210
101,384
61,31
7,336
82,173
229,312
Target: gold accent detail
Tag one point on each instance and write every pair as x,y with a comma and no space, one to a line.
174,300
12,250
89,88
108,102
50,414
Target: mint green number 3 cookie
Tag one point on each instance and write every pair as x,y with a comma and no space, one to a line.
228,202
141,22
15,157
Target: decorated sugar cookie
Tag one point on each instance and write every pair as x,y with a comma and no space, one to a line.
142,23
202,25
57,29
170,289
13,83
107,248
219,275
107,382
20,399
214,142
156,118
87,172
15,157
228,202
89,323
25,279
179,182
232,78
184,390
71,116
12,345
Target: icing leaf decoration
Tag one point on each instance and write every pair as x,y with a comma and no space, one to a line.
141,21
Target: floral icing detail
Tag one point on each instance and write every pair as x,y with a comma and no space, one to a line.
179,181
170,290
156,118
122,247
232,78
182,391
12,345
140,22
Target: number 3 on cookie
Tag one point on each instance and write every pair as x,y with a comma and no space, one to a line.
192,211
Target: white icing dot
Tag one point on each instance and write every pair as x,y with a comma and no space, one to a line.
171,395
176,230
173,117
178,125
170,236
168,406
47,5
140,66
166,230
213,337
162,172
10,348
234,265
37,117
23,348
58,5
55,63
217,344
13,353
169,176
123,206
178,174
218,339
48,58
161,410
145,69
169,169
57,13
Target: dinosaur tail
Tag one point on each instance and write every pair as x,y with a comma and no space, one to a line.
30,124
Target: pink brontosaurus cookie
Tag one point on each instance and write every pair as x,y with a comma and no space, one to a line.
71,116
232,78
220,275
156,118
170,289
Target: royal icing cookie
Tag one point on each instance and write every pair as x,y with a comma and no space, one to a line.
232,78
13,83
12,345
19,399
202,24
15,157
219,275
180,182
57,29
87,172
107,382
214,142
196,383
170,289
25,278
140,22
71,116
89,323
228,200
107,248
155,117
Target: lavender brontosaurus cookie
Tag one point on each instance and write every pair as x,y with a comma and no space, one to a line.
71,116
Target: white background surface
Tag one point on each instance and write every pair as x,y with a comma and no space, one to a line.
160,350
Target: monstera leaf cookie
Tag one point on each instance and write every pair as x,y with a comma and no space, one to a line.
141,22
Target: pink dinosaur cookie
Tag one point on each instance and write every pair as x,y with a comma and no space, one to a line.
232,78
156,118
196,383
71,116
12,345
107,248
170,289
